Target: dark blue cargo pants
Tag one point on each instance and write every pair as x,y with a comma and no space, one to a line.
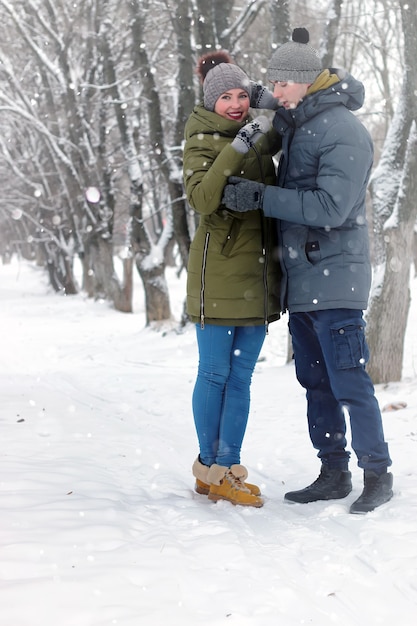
330,354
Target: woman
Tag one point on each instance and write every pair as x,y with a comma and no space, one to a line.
233,272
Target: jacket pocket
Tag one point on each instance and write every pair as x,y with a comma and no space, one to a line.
294,240
349,344
312,249
231,237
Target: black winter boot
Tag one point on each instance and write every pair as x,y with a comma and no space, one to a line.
376,491
332,484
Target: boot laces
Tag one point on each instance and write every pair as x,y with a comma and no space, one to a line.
370,487
236,482
322,481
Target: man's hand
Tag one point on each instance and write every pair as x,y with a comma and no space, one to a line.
243,195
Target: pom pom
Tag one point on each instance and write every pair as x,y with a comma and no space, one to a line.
209,60
300,35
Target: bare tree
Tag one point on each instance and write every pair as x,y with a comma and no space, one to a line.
388,312
96,94
369,43
67,156
331,32
280,22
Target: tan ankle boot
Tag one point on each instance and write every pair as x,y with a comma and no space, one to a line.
227,484
202,485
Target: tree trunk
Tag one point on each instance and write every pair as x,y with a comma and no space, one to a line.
330,33
415,253
389,310
280,22
156,292
389,304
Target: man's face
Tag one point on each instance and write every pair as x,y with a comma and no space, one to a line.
290,94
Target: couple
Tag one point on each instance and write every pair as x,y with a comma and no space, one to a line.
314,210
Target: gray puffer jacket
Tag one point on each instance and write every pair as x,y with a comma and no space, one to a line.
323,173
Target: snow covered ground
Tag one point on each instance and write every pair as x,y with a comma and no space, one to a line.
100,525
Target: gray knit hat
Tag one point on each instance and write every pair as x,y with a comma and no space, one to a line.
222,78
295,61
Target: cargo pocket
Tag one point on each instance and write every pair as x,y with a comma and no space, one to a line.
349,344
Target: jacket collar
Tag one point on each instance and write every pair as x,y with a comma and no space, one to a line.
332,87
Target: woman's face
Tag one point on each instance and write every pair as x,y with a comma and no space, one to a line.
233,105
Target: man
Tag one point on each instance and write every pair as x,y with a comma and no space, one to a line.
323,173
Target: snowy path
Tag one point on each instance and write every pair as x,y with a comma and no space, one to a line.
100,525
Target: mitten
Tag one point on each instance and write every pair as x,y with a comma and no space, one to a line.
250,133
262,98
243,195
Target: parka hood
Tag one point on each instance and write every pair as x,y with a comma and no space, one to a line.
331,87
344,86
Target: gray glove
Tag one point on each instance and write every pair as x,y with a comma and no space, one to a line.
262,98
243,195
250,133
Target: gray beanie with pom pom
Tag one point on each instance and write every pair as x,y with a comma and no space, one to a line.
222,78
295,61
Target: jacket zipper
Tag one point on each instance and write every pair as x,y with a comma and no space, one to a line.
265,273
203,280
265,276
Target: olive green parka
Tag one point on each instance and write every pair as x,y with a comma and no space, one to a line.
233,270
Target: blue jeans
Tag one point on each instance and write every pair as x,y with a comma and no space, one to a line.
221,397
330,354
